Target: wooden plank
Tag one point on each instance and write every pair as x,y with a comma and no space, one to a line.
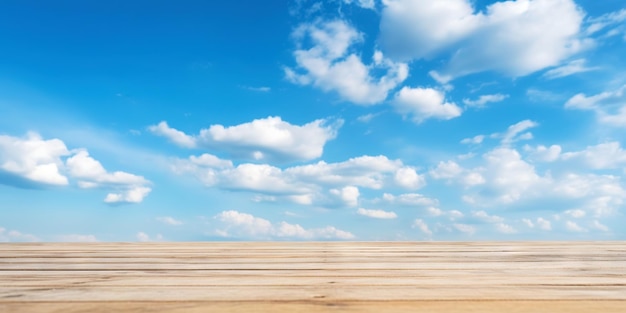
307,277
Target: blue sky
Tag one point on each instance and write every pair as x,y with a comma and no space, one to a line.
309,120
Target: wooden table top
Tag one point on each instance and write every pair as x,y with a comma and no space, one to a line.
313,277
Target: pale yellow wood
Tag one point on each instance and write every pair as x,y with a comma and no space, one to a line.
308,277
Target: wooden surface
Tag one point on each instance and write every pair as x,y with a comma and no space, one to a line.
312,277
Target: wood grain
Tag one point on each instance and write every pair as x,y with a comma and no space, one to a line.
312,277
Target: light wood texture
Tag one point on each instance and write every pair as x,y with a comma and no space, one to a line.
312,277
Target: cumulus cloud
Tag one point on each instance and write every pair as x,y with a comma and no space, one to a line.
422,226
483,100
609,106
485,217
453,172
408,178
176,136
32,161
544,223
90,173
505,228
409,199
608,155
7,235
330,65
316,183
464,228
544,154
380,214
420,104
515,38
269,139
573,227
234,224
143,237
349,195
599,226
508,176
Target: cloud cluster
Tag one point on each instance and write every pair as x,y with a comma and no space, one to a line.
235,224
90,173
32,162
266,139
15,236
329,64
515,38
321,183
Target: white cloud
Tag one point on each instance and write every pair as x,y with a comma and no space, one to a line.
573,227
508,177
176,136
528,223
575,213
512,37
169,220
380,214
608,155
349,195
32,162
600,195
474,140
544,154
365,171
484,216
129,188
505,228
329,64
142,237
133,195
408,178
269,138
422,226
33,159
464,228
484,99
16,236
78,238
366,4
513,132
609,106
242,225
452,171
571,68
544,224
446,170
410,199
304,184
421,104
367,117
209,160
599,226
